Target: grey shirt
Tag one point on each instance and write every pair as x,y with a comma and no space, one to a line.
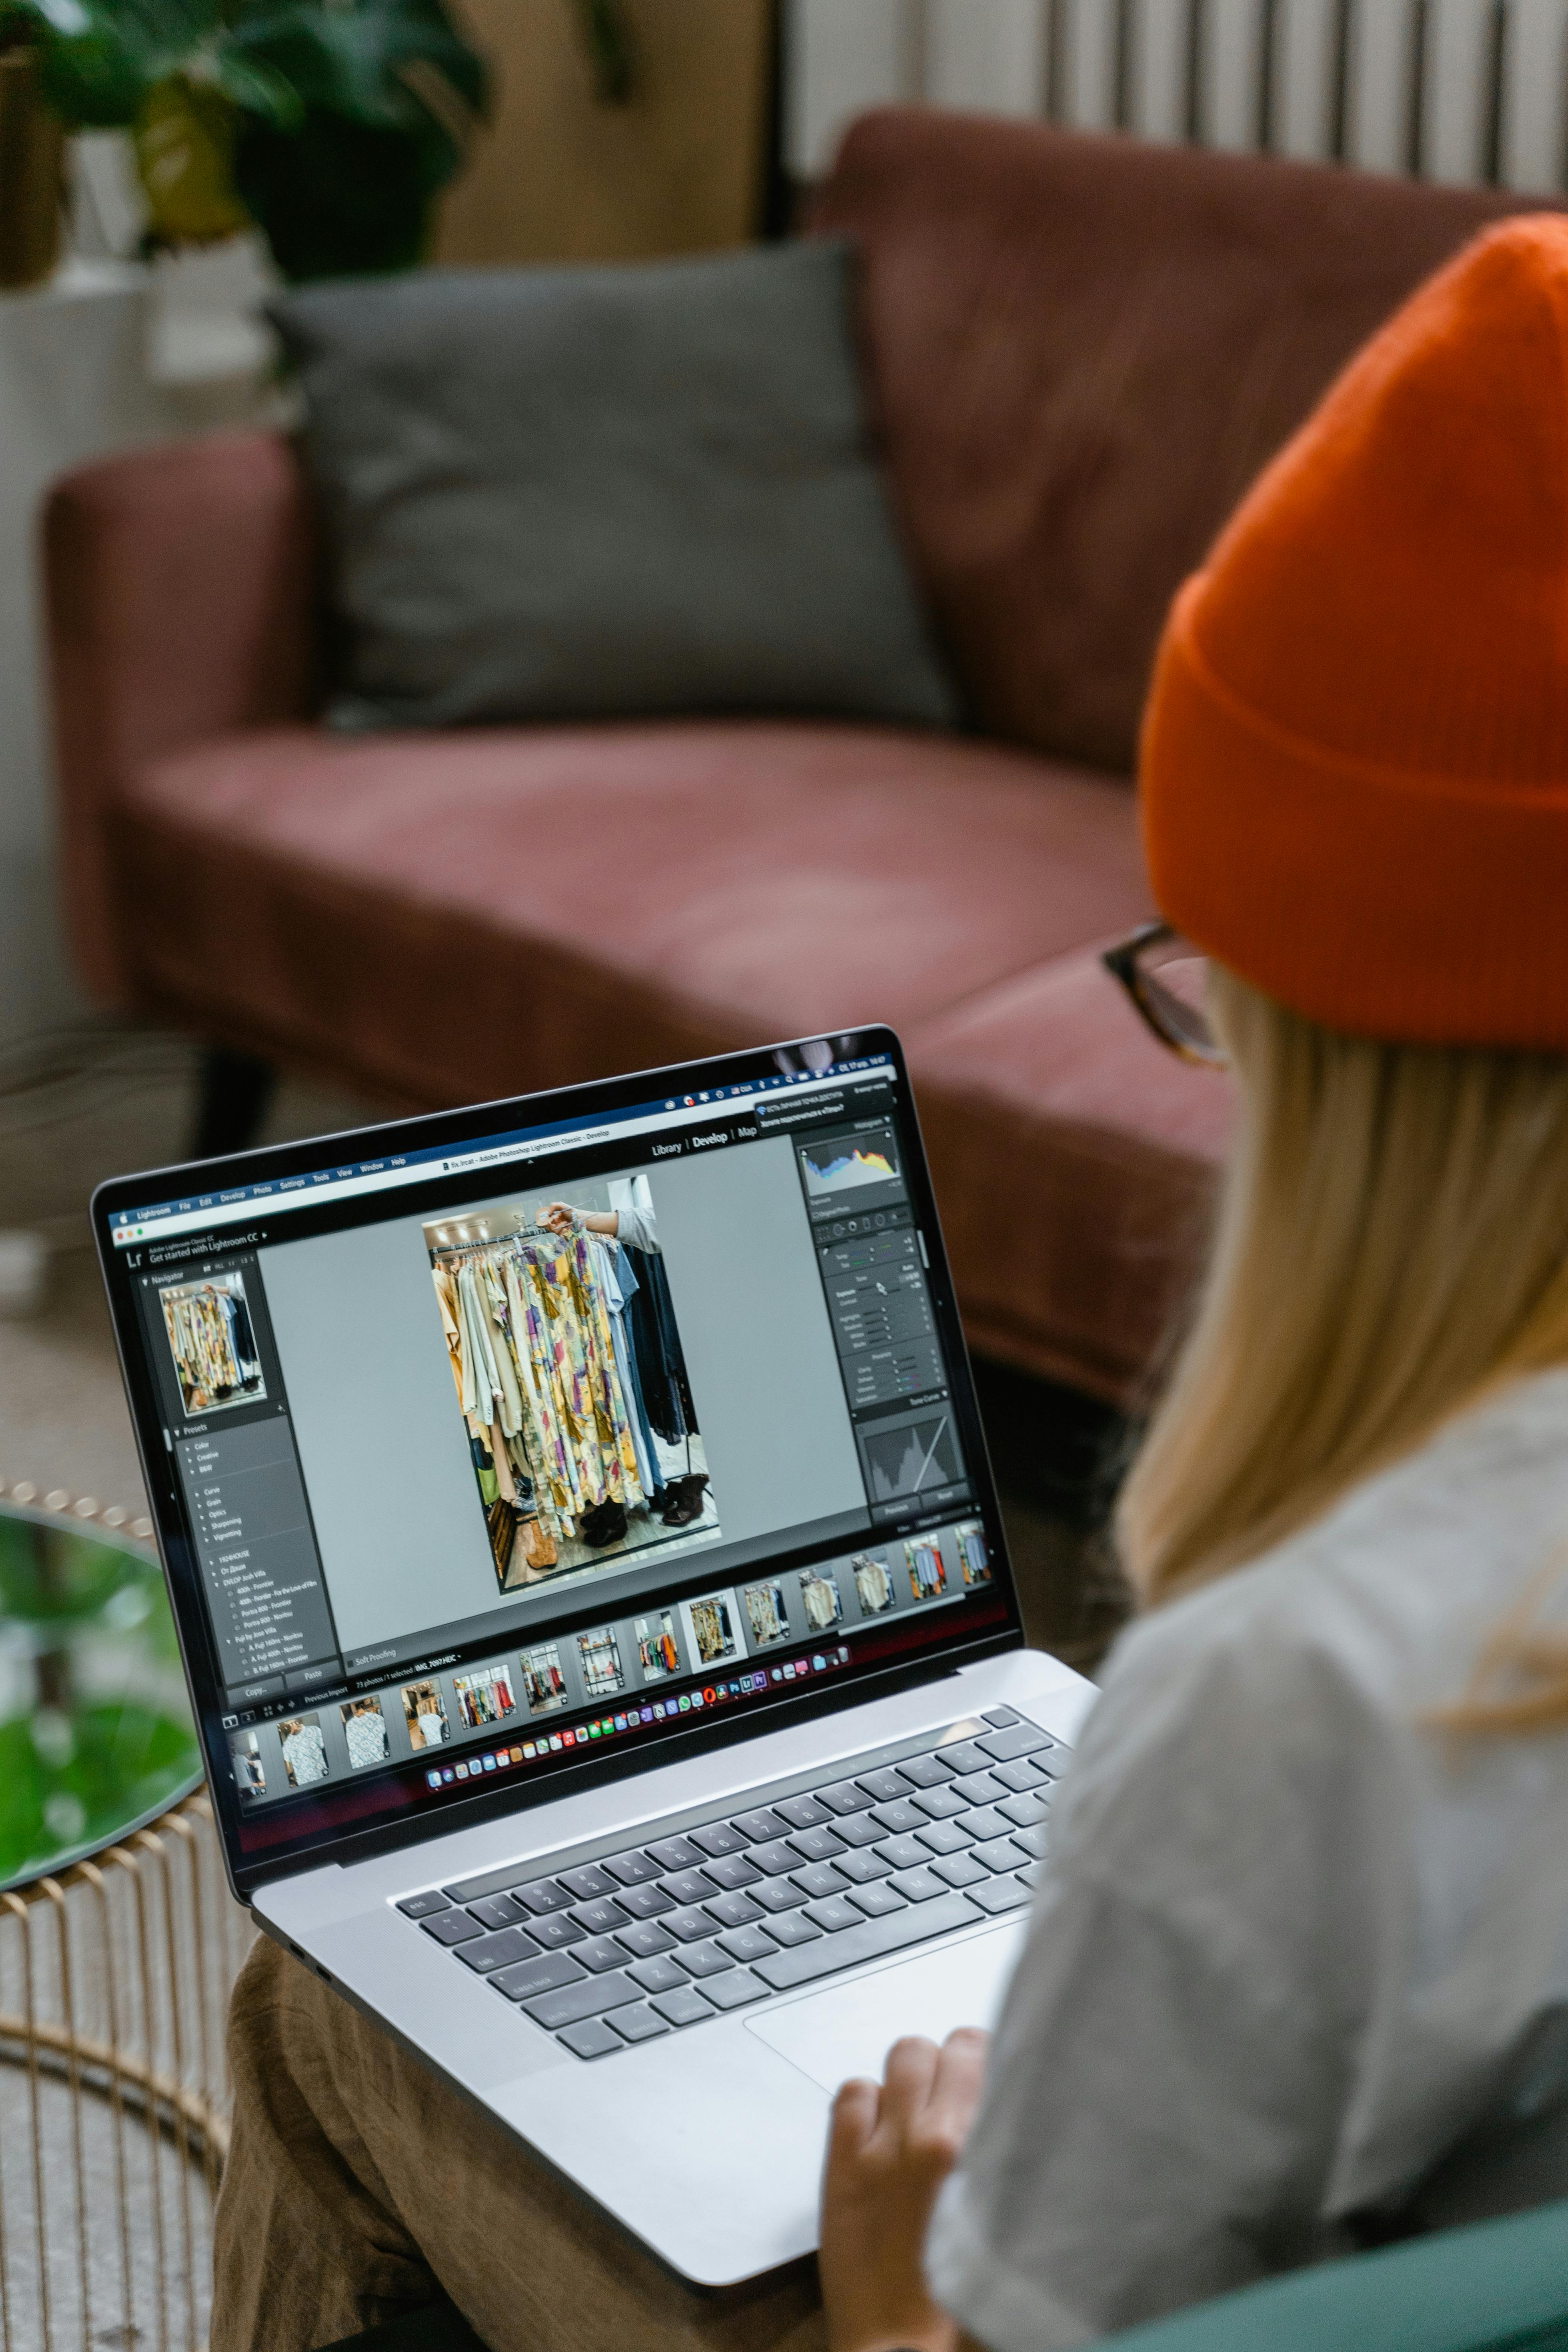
1298,1955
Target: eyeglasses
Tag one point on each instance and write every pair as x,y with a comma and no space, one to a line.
1165,977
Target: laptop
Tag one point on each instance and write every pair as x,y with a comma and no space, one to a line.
596,1608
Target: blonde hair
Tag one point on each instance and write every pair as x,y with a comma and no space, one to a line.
1392,1243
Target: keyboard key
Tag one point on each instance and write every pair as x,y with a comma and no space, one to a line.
644,1937
638,2024
452,1927
735,1990
747,1944
899,1818
869,1939
1000,1853
985,1823
539,1976
833,1914
944,1837
579,2001
630,1869
601,1952
919,1885
776,1859
1033,1840
689,1926
497,1911
844,1797
554,1932
794,1928
925,1771
674,1854
760,1826
493,1952
1022,1739
584,1884
964,1755
732,1910
801,1813
1031,1875
422,1906
599,1917
688,1886
1054,1765
777,1894
817,1845
979,1788
1022,1811
541,1895
733,1870
1000,1717
657,1975
592,2039
717,1838
939,1804
684,2007
885,1787
861,1869
878,1900
705,1959
644,1902
1000,1894
822,1878
857,1829
1023,1772
902,1852
960,1870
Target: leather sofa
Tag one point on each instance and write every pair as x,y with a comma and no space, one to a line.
1078,353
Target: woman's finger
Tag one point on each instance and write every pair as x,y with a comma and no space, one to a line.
854,2120
956,2083
906,2078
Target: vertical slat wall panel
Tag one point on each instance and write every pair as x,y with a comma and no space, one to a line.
1382,48
1090,63
1460,90
987,54
1303,83
843,56
1534,137
1459,57
1158,75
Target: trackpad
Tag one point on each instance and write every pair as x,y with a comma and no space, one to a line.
849,2030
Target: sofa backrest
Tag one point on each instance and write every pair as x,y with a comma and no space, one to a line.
1081,351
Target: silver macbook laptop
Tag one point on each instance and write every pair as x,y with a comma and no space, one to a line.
595,1605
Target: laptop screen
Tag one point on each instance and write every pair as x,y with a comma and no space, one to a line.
496,1443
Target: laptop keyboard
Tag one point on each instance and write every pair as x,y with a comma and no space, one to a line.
641,1940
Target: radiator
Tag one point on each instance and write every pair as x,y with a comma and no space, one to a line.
1459,90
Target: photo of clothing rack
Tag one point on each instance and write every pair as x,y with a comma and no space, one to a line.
873,1585
658,1653
927,1575
974,1556
543,1683
765,1612
484,1697
599,1655
572,1403
211,1338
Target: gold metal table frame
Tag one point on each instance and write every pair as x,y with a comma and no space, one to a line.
114,2096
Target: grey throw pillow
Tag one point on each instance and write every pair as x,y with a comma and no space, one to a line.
574,493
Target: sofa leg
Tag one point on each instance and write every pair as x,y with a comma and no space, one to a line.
235,1092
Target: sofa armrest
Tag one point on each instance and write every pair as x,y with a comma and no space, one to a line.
180,588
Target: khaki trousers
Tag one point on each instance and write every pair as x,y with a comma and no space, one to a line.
359,2186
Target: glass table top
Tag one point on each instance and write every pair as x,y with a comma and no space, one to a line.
96,1736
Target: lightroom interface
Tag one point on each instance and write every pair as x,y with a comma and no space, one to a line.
489,1454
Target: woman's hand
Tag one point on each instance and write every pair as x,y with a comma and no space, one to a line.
892,2147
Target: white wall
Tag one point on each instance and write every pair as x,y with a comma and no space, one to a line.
846,54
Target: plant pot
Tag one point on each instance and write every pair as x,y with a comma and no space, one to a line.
31,148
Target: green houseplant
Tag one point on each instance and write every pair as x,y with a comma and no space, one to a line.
330,124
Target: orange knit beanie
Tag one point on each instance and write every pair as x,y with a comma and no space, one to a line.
1354,768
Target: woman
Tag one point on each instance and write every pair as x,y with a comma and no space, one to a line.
1299,1971
1298,1976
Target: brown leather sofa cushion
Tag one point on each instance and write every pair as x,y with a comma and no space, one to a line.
1083,349
471,915
1076,1164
